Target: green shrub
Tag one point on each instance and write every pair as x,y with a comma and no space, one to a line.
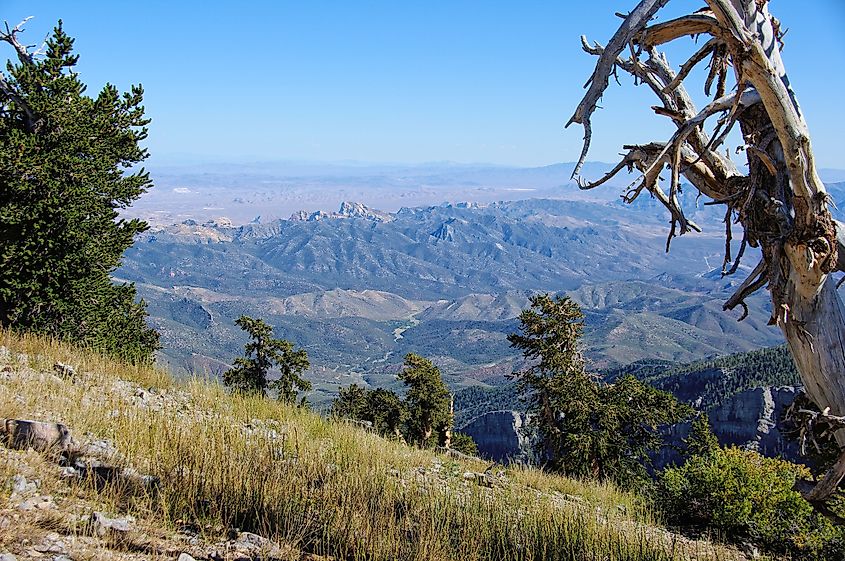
464,443
746,496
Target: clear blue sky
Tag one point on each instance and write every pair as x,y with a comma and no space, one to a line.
465,81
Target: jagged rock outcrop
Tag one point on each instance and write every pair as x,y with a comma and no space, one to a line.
445,232
499,435
347,210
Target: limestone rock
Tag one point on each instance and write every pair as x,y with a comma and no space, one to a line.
749,420
102,525
64,370
52,543
42,502
40,436
254,546
20,485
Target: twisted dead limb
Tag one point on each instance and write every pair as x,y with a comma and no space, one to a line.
780,203
7,92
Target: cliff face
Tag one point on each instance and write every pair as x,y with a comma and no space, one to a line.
499,435
749,420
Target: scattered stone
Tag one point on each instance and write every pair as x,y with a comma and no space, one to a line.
574,498
39,436
102,525
52,543
483,479
64,370
69,472
7,556
185,557
43,502
20,486
100,448
254,546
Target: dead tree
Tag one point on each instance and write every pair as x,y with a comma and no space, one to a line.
781,203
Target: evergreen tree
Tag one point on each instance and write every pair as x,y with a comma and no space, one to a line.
427,402
464,443
381,407
351,403
587,428
701,440
386,411
63,183
262,353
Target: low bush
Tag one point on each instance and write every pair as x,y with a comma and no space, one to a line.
747,497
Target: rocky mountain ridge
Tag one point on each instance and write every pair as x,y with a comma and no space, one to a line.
450,278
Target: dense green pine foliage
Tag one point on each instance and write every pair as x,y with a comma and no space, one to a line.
427,401
586,427
380,407
423,418
64,160
737,373
464,443
261,354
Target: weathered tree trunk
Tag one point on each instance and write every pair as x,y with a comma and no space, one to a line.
804,251
781,203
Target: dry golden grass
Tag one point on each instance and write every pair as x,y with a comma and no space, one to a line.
320,486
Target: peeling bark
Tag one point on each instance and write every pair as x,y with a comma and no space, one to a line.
781,203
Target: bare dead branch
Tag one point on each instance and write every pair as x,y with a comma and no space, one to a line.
7,90
767,161
702,53
694,24
739,255
11,36
755,281
626,161
632,25
776,95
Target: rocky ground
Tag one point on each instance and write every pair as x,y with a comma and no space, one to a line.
68,499
70,496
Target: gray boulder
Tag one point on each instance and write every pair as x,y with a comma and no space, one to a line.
40,436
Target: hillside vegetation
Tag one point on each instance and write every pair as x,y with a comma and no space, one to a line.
225,464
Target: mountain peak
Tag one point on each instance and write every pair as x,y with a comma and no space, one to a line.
347,209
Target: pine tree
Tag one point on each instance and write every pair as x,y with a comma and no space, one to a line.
428,400
382,408
261,354
64,158
587,428
351,403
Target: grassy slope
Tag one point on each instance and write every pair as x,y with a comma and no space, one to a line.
319,486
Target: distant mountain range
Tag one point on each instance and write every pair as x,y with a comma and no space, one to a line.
359,288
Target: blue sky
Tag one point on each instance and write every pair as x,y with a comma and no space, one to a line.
464,81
